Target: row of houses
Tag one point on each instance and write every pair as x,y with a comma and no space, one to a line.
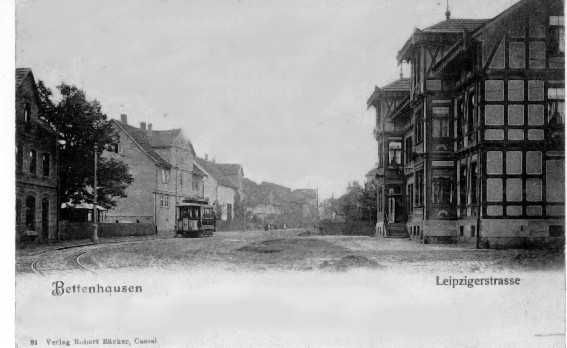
471,145
276,205
163,163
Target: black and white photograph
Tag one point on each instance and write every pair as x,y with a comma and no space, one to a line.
299,173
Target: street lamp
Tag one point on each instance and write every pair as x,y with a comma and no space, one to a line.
94,237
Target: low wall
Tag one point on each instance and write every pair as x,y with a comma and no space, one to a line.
84,230
349,228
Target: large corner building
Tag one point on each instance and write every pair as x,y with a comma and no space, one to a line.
471,145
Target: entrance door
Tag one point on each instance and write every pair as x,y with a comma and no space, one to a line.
45,218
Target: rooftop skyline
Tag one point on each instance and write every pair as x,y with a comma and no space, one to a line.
280,88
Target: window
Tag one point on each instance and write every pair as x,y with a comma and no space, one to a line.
166,201
19,158
494,90
556,106
535,90
441,122
180,179
30,213
33,160
461,122
27,113
535,114
494,115
533,162
162,201
463,185
514,190
516,90
408,150
380,154
513,162
494,190
165,176
442,189
418,126
195,185
494,162
474,180
394,152
471,121
555,180
45,164
537,54
515,115
533,190
517,53
557,35
419,188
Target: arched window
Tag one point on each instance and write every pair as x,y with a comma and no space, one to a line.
30,213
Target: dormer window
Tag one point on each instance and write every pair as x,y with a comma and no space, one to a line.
557,35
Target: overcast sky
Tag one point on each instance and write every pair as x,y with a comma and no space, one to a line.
278,86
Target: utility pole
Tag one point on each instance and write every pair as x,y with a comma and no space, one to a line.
95,225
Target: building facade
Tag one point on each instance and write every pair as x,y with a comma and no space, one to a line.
219,190
161,163
37,198
482,136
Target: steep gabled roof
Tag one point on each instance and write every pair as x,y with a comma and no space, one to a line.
164,138
198,171
139,136
456,25
214,170
21,74
229,168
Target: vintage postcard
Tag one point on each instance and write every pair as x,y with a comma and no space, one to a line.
322,173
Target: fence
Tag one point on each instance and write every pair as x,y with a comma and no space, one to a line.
84,230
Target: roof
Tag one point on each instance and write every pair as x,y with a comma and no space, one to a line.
21,74
198,171
140,137
215,171
456,25
164,138
229,168
400,85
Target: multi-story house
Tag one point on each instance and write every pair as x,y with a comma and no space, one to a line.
36,165
485,115
219,190
161,163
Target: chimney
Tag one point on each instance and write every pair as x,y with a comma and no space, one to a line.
143,126
149,129
206,157
124,118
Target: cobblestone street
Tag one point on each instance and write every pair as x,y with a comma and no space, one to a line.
279,250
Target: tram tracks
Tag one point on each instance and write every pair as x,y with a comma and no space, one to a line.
76,260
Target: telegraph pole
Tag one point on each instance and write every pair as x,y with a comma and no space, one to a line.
95,225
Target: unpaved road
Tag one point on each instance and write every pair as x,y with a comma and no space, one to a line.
284,250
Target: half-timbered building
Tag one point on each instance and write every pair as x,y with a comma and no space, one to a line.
486,112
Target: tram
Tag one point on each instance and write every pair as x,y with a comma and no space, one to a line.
195,218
